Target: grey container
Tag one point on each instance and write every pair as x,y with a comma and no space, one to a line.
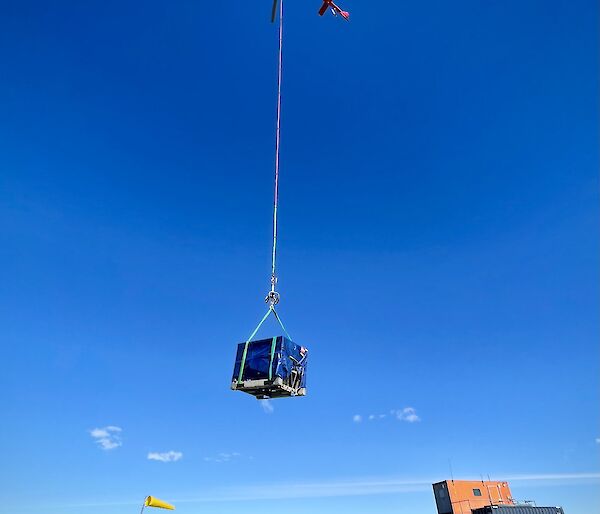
518,509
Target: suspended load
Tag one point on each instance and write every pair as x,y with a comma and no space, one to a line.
270,368
275,367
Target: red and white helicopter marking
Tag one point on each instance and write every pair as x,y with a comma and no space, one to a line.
327,4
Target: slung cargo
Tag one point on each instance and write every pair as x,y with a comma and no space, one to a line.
270,368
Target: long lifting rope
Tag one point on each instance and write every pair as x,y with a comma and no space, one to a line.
273,296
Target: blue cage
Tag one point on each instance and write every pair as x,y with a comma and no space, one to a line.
270,368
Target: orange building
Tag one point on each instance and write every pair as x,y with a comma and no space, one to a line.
461,496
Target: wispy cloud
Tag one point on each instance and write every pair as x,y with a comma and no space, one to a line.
368,487
552,477
408,414
223,457
351,487
267,406
597,440
108,438
165,456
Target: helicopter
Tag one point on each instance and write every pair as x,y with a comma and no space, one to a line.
327,4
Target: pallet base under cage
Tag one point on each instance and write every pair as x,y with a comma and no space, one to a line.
266,389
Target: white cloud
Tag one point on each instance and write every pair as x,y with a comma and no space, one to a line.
165,456
224,457
369,486
108,438
267,406
597,440
408,414
365,486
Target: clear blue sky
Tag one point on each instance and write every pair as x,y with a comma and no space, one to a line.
438,252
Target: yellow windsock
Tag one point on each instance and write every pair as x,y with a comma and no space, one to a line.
151,501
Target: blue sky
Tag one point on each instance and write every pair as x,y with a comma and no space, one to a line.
438,253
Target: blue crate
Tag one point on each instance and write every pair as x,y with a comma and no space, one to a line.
272,368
